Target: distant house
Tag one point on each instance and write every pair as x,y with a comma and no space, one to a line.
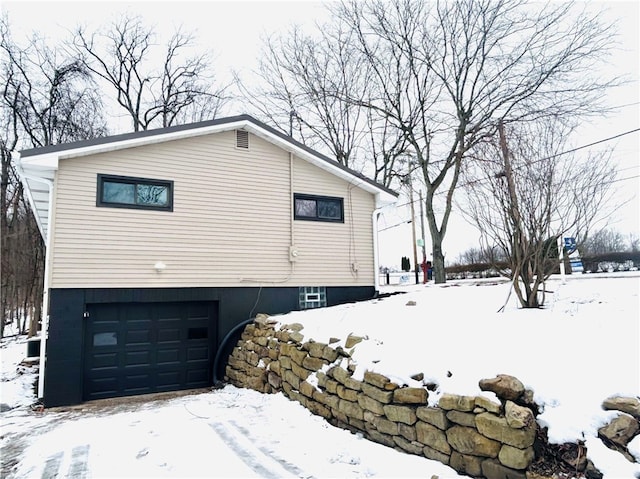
159,243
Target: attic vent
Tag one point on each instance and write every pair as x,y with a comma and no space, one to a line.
242,139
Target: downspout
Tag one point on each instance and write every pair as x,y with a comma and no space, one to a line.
291,200
45,288
376,260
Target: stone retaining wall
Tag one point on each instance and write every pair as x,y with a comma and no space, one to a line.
472,434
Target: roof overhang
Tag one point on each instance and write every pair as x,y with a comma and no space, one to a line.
38,185
37,166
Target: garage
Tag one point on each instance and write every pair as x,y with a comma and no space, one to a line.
141,348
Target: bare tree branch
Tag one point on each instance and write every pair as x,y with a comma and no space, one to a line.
47,98
180,89
523,195
446,74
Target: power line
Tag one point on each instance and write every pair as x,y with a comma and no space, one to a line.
395,226
473,182
619,179
625,105
480,181
588,145
540,160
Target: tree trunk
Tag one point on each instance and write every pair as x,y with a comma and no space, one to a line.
4,183
439,274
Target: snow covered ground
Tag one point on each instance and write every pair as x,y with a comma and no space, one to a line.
579,350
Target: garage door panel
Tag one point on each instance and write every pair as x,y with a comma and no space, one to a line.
169,378
168,356
138,337
197,352
138,348
169,335
105,360
104,387
197,311
138,358
136,312
172,311
197,377
137,385
136,322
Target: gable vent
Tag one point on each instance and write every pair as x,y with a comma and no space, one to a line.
242,139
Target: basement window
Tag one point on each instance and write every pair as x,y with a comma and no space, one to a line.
140,193
318,208
310,297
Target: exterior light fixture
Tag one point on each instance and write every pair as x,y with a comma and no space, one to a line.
159,266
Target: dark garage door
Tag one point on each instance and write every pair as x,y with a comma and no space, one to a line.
140,348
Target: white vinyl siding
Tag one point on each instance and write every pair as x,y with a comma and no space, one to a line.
327,249
230,224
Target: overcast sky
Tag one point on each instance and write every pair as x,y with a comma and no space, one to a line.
233,29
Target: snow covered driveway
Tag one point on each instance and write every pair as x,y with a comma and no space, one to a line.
229,433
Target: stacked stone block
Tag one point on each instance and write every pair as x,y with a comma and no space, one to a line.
472,434
624,427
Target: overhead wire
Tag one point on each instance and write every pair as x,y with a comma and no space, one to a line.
573,150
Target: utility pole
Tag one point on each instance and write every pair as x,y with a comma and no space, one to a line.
406,181
413,230
292,113
424,251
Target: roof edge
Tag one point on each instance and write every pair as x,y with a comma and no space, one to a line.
58,150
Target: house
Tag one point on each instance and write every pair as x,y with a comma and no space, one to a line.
161,242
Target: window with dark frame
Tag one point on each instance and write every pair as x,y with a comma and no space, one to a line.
139,193
318,208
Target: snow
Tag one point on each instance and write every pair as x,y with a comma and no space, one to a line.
16,381
582,348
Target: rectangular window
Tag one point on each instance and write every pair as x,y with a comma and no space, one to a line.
310,297
105,339
143,193
318,208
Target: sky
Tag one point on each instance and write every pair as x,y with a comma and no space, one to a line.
581,349
233,31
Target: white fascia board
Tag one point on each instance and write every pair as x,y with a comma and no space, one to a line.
50,160
37,183
46,161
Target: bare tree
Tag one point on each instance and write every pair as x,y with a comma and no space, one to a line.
47,98
176,89
606,241
446,73
484,255
304,80
523,194
386,148
300,77
49,95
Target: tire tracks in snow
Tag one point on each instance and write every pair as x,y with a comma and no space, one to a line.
259,458
62,464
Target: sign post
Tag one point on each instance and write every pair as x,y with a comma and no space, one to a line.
561,255
574,256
